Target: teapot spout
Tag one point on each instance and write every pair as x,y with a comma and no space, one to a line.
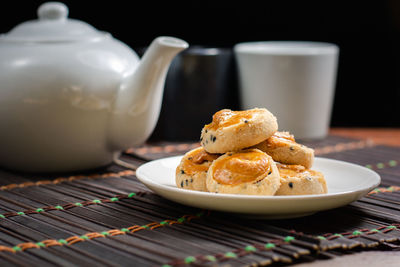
138,101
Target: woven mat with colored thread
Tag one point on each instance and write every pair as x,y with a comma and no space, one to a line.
108,218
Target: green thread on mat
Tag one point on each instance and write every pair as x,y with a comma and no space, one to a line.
380,165
84,237
107,233
40,244
390,227
166,265
189,259
321,237
230,255
125,230
289,239
62,241
211,258
181,220
164,223
250,248
63,207
269,245
16,248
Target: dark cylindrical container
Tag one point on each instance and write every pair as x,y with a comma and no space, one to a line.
200,81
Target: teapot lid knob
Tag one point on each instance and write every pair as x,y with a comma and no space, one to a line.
53,25
52,11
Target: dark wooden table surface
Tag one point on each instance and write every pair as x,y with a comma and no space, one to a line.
385,136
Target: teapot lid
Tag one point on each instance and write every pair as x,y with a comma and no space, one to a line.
53,26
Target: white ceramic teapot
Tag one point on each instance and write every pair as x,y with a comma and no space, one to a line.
71,96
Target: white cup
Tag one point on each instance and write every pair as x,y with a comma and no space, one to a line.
295,80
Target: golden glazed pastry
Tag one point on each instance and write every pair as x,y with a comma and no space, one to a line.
250,172
191,173
297,180
236,130
283,148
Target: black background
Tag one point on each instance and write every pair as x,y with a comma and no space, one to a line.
368,85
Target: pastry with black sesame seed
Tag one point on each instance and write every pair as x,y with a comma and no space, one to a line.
282,147
246,172
297,180
236,130
191,173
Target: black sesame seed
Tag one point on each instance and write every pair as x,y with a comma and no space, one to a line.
246,121
191,180
182,184
308,178
187,182
269,172
206,131
211,137
291,185
201,139
182,172
291,148
214,138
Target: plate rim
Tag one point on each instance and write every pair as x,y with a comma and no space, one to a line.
141,177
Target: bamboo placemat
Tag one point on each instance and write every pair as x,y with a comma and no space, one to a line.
108,218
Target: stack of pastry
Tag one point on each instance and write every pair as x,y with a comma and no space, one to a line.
242,152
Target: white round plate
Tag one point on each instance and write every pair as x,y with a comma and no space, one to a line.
346,182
